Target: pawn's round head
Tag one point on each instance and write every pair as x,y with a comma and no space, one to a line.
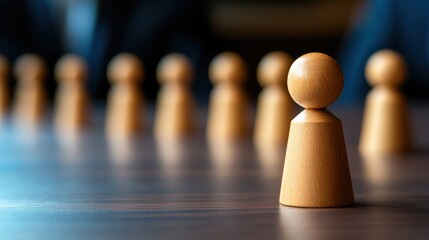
175,68
227,67
4,67
30,67
71,68
274,68
125,68
315,80
386,67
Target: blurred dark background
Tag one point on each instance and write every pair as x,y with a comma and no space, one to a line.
254,28
348,30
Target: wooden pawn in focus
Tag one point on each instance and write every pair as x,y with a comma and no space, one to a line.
125,72
30,106
316,171
174,116
71,106
228,108
275,108
385,129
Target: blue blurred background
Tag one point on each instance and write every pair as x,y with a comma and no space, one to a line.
348,30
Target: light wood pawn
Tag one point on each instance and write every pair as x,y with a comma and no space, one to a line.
125,72
4,90
275,108
30,104
228,107
385,129
71,106
316,171
174,116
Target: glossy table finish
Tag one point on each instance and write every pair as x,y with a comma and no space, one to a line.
54,187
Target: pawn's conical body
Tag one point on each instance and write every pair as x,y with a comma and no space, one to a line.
124,109
316,171
174,112
30,105
385,128
275,110
228,116
71,110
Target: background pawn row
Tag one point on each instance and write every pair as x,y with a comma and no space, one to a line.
175,115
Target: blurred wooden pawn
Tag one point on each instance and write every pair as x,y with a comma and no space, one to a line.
125,71
228,107
316,171
174,116
275,108
30,104
385,129
4,90
71,106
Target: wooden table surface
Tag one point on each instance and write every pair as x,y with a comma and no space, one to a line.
90,188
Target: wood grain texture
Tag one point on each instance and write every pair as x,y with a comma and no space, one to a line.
315,80
316,171
57,191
